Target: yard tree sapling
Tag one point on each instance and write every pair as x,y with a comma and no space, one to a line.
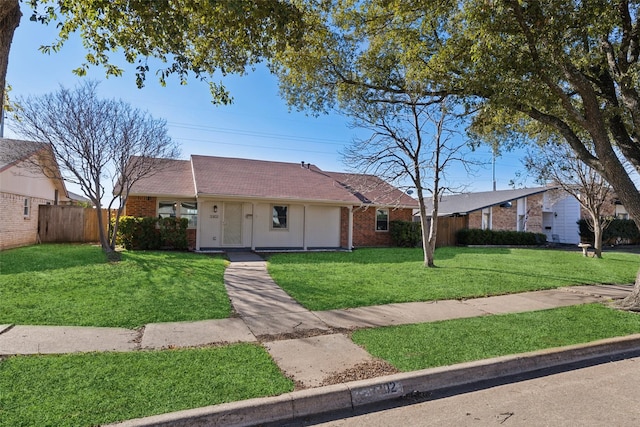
558,165
98,143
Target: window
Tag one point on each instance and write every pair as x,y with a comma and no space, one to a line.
189,210
167,209
486,219
382,219
279,217
26,212
174,209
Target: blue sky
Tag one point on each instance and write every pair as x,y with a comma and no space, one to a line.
258,125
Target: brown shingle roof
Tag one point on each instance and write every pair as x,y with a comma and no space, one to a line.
222,176
174,178
246,178
471,202
371,189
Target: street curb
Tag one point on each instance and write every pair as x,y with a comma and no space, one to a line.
295,405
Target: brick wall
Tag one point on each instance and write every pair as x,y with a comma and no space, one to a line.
141,206
191,238
344,228
608,207
505,218
15,229
475,219
364,226
534,213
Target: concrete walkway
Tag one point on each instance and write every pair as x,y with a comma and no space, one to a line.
308,346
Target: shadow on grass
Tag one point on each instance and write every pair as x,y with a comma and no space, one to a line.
381,255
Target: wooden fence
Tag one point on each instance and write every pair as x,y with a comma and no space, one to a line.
448,226
69,224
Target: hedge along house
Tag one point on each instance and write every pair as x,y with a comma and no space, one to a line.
259,205
547,210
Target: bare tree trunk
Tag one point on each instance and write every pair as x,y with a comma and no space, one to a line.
433,233
597,236
632,302
431,243
9,20
597,239
424,222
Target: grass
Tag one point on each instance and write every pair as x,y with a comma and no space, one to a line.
365,277
96,388
76,285
426,345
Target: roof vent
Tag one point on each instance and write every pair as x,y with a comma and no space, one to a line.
302,164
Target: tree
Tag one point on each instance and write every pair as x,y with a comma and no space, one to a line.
411,139
9,20
98,143
559,165
189,37
413,136
564,67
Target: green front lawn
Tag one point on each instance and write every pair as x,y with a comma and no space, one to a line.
76,285
97,388
427,345
364,277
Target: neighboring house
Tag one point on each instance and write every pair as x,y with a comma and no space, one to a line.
547,210
264,205
78,200
23,187
612,207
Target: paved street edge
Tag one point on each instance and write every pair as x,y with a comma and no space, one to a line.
295,405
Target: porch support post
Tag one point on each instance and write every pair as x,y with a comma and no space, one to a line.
198,222
253,225
304,228
350,232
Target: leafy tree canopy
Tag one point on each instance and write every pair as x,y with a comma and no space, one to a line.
560,69
199,37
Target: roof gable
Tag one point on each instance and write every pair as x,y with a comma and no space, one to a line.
36,156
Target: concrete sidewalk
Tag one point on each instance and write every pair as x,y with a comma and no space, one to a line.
309,347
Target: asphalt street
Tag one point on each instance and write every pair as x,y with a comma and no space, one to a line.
601,394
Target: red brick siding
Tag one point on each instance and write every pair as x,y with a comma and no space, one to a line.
475,219
534,213
141,206
191,238
608,207
344,228
364,226
505,218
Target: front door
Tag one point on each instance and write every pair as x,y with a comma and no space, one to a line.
232,224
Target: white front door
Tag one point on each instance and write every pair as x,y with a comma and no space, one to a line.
232,224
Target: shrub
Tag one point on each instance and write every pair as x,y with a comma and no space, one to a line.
147,233
475,236
173,232
406,234
624,230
